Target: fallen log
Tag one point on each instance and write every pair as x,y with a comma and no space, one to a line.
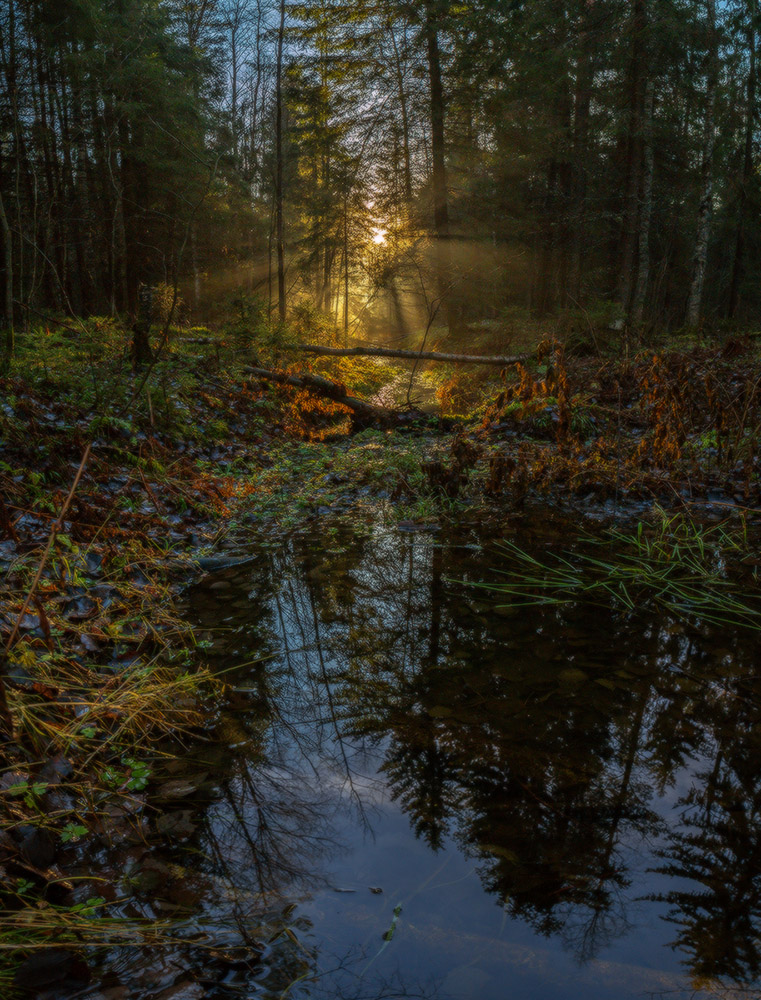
391,352
364,414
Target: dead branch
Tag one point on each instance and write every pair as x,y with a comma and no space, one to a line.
364,414
390,352
5,713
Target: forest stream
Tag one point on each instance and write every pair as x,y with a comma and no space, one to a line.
417,793
380,500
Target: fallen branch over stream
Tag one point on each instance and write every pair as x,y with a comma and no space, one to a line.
365,414
389,352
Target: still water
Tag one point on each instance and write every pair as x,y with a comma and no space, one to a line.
421,794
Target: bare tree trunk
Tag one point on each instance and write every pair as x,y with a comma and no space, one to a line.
269,260
645,210
582,101
9,69
234,27
363,411
141,345
279,168
405,117
747,171
346,269
695,300
257,86
196,267
327,285
83,199
392,352
126,196
7,238
438,157
634,152
543,297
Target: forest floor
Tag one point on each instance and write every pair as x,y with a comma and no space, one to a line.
183,462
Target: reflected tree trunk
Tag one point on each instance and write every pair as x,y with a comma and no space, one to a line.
738,259
7,243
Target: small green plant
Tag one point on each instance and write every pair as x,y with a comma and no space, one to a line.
139,774
111,777
89,907
134,779
73,832
31,793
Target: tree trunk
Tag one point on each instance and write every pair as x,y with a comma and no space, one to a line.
195,266
747,170
634,152
346,269
543,297
281,304
7,240
438,159
695,300
125,208
141,346
257,86
645,211
365,412
405,117
234,26
582,101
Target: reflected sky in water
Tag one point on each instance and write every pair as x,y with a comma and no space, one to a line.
421,794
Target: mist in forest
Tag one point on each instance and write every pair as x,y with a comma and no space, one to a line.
396,167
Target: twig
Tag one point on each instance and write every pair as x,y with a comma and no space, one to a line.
57,525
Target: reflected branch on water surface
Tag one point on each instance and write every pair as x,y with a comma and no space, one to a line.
540,745
546,817
419,775
272,835
523,780
717,847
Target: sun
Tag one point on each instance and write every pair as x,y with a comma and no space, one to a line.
379,236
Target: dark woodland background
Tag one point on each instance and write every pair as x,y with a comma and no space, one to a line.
478,160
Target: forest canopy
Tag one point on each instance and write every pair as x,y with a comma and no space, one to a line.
389,162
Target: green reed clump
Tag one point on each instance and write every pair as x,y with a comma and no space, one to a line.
689,570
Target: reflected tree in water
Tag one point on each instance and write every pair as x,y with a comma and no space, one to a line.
535,778
715,851
537,743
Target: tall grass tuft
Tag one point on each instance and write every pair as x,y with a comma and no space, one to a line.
676,565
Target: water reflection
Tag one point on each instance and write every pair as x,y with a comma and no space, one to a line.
716,844
599,775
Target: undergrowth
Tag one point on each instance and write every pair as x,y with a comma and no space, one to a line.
103,670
